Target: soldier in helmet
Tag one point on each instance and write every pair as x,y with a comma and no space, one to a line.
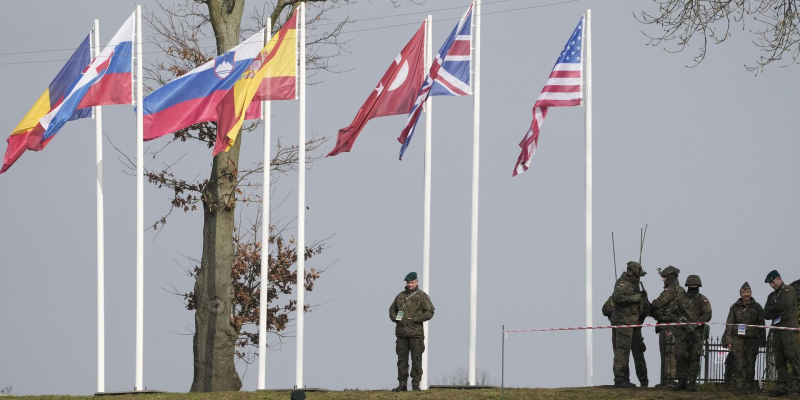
637,341
627,302
666,310
743,341
408,311
694,307
781,308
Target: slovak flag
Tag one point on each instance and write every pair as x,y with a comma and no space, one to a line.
106,81
448,76
394,94
564,88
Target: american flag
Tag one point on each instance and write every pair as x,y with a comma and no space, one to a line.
448,76
563,89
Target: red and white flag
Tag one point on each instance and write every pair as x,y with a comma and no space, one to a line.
394,94
563,89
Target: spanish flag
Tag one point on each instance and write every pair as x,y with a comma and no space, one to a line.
28,133
271,76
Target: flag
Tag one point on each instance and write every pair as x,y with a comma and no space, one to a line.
394,94
193,97
106,81
272,75
448,76
563,89
28,133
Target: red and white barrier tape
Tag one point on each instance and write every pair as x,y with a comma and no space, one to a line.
583,328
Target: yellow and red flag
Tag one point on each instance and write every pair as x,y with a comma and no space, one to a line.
271,76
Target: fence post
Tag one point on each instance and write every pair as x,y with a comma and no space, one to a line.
707,355
503,364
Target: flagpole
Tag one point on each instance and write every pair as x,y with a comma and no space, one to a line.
426,203
263,301
301,201
101,332
139,207
473,271
588,182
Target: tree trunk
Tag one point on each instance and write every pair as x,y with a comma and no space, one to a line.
215,337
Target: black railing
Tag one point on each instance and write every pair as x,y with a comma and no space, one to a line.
717,364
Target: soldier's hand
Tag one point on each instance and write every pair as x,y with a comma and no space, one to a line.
730,346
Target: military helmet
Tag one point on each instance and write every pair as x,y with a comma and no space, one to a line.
693,280
635,269
669,271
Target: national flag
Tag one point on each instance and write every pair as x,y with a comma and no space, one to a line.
448,76
394,94
28,133
272,75
563,89
106,81
192,98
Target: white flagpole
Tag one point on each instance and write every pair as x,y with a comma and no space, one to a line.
301,201
264,302
587,58
473,270
426,202
139,207
101,331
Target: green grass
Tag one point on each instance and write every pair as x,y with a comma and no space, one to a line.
708,392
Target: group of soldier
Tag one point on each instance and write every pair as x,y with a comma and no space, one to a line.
691,311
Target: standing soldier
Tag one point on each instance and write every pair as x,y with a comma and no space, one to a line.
637,342
666,310
694,307
743,341
408,311
781,308
627,300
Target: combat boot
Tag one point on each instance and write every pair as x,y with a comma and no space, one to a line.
624,384
691,386
402,387
681,385
644,383
778,391
415,387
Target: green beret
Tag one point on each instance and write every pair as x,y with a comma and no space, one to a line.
412,276
771,276
298,395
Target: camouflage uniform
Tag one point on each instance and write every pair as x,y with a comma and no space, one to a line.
410,333
781,305
627,300
666,310
689,344
637,345
744,344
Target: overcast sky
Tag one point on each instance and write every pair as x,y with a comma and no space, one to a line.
706,156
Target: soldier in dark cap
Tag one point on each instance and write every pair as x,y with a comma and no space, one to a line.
694,307
743,341
781,308
408,311
298,395
627,303
666,310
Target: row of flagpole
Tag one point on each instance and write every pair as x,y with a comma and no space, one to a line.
138,98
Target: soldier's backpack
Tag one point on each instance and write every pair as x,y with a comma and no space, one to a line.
608,307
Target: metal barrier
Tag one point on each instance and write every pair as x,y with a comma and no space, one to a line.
718,366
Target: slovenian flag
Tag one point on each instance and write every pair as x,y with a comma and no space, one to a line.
106,81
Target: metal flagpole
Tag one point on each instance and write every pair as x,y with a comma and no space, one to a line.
301,201
101,330
587,59
263,301
473,270
139,206
426,207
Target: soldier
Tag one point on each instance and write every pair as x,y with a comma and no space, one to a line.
408,311
781,308
666,310
627,300
694,307
637,341
743,341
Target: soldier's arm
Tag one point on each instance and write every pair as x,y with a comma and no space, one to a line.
727,338
787,297
624,294
393,310
705,315
762,333
663,299
427,311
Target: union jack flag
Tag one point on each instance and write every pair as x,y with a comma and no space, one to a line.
563,89
449,74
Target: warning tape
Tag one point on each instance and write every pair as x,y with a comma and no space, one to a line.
584,328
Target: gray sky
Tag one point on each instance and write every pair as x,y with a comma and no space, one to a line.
703,155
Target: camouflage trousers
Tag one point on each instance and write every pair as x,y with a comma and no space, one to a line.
637,348
744,352
666,346
414,346
688,351
785,350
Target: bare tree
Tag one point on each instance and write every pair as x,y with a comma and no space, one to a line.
775,26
